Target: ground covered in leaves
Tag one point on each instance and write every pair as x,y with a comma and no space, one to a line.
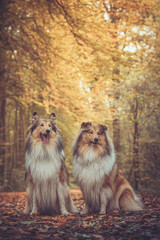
114,225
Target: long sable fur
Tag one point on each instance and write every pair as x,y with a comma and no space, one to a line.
96,172
48,191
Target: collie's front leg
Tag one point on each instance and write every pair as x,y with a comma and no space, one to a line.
105,196
61,197
27,205
29,196
34,207
72,207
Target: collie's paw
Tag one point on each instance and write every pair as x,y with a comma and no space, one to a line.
65,212
102,212
34,213
75,210
26,211
84,211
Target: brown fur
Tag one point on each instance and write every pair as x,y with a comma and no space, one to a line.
63,176
123,194
96,172
87,138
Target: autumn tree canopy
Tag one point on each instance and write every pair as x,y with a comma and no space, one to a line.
83,60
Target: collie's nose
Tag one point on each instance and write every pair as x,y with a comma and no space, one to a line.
96,139
47,130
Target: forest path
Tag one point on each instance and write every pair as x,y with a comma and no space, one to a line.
114,225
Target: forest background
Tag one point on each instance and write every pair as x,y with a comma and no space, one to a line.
85,61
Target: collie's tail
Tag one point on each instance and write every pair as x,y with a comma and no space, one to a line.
130,202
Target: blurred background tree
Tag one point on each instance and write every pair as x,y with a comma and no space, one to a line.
84,60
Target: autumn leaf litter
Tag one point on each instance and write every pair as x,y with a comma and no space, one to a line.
113,225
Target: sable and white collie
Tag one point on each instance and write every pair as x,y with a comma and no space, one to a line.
48,191
97,174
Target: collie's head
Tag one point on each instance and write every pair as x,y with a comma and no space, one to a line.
43,129
43,141
92,137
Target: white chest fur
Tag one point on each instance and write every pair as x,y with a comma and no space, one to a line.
92,169
44,162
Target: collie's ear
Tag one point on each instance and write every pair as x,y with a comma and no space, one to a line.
52,116
86,124
103,127
35,117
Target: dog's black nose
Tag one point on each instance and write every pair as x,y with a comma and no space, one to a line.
47,130
96,139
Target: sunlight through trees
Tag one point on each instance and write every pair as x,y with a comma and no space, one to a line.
83,60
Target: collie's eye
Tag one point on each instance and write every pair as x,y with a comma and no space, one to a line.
49,125
99,133
91,132
42,125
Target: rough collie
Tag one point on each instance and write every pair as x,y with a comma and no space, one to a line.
48,191
97,174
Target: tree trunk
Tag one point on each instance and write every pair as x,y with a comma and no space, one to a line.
136,147
3,135
21,137
116,134
3,97
15,138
